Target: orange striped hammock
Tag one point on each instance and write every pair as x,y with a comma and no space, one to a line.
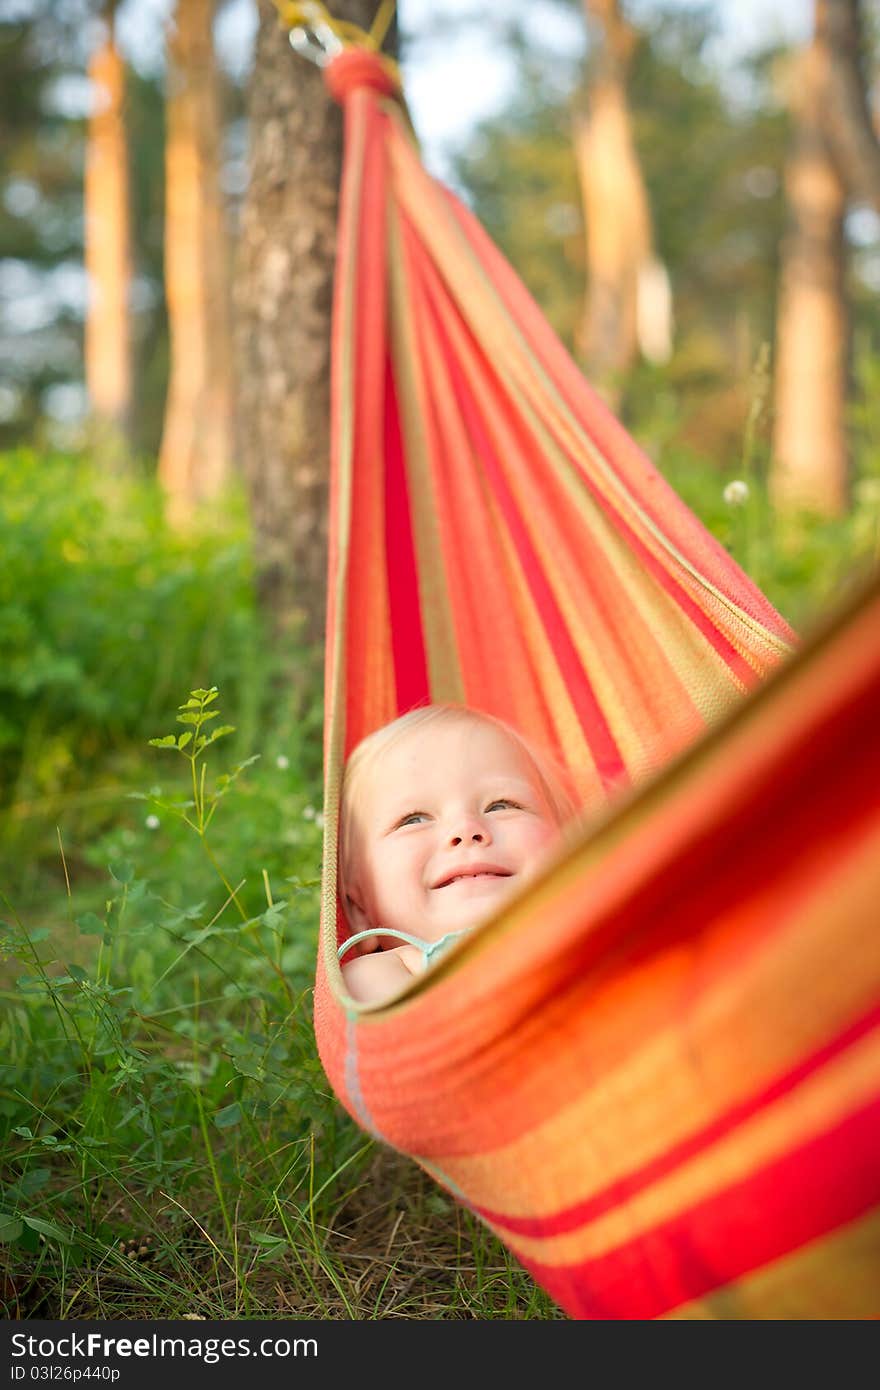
656,1073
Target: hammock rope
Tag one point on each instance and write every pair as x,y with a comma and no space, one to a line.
318,35
655,1074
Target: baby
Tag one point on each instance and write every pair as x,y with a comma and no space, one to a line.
445,813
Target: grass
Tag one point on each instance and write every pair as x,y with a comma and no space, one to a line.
168,1143
171,1146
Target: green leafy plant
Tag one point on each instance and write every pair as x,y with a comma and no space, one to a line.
193,745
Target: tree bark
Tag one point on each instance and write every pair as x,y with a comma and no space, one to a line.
846,108
283,300
620,261
810,466
196,452
107,248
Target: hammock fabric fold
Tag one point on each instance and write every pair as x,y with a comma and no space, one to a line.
656,1075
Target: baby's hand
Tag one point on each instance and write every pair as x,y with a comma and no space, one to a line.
408,955
376,976
411,958
365,947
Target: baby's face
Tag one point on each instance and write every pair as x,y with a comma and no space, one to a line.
451,821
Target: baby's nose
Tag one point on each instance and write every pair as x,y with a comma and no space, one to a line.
469,830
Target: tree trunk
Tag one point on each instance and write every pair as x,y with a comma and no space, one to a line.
620,264
107,248
283,299
847,108
196,452
809,468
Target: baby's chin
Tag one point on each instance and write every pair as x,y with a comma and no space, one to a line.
470,902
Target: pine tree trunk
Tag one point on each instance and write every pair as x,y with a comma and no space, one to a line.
283,298
616,210
107,249
847,106
810,467
197,442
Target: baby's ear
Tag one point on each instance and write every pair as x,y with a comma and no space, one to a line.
356,915
359,921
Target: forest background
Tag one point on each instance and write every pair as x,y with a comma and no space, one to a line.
167,1141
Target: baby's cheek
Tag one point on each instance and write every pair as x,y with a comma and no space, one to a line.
404,872
543,844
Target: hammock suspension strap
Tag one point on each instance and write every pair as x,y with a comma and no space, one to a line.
319,36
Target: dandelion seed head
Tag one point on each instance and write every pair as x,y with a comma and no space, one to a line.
282,762
736,493
152,822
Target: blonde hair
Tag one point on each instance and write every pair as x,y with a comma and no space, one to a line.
552,779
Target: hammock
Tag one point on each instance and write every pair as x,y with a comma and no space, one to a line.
656,1073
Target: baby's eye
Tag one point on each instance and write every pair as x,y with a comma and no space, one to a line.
504,801
410,816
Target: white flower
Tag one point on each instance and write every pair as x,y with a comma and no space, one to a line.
736,493
309,813
319,819
152,822
282,762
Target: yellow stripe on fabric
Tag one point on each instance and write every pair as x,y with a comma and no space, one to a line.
544,668
821,1102
467,526
441,649
710,697
602,646
754,643
675,640
836,1277
335,711
684,659
370,657
484,310
477,575
755,1022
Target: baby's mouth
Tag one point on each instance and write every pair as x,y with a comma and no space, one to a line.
479,874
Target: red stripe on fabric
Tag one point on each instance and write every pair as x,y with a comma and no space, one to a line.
667,581
606,755
407,634
815,1189
539,342
361,421
486,614
338,404
632,1184
654,493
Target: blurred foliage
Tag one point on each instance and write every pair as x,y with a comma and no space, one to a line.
145,125
159,1044
44,100
168,1145
104,611
41,224
712,144
712,152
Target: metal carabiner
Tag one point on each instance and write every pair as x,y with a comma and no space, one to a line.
317,42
